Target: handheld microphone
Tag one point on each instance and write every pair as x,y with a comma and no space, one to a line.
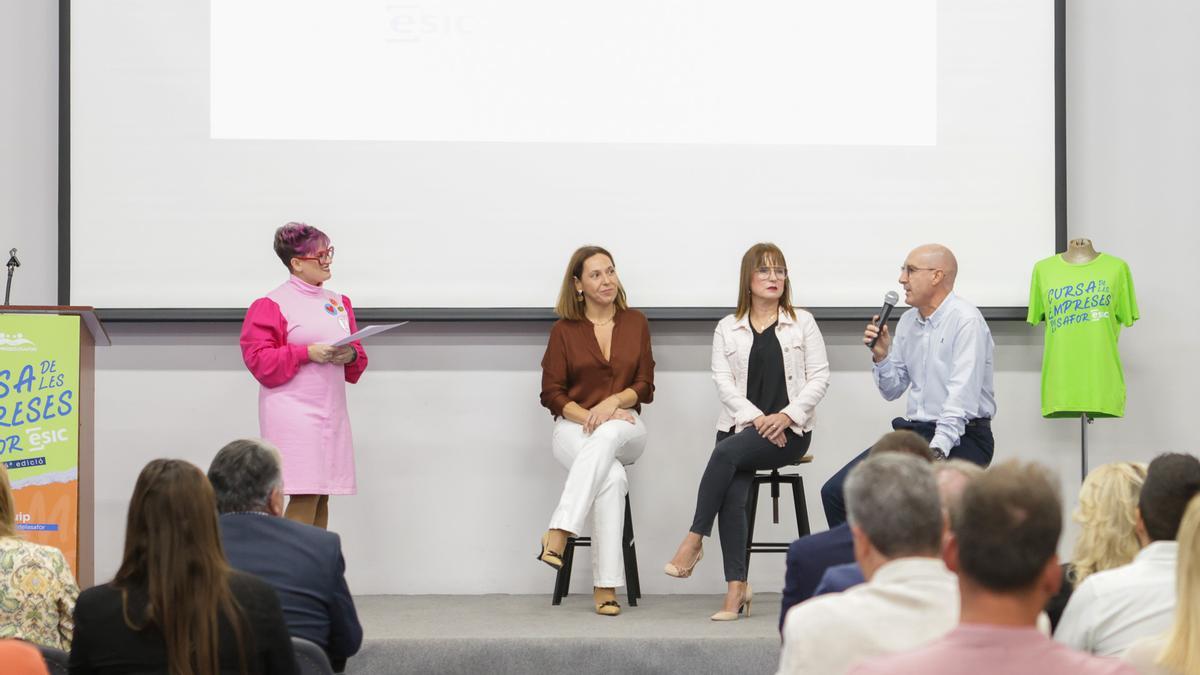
889,303
12,258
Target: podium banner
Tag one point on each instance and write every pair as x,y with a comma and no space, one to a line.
39,426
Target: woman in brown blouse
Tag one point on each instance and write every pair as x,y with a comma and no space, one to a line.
597,371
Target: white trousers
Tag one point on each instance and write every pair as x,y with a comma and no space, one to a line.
596,482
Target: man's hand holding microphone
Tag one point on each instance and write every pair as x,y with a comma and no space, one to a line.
877,337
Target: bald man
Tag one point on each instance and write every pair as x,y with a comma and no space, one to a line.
942,357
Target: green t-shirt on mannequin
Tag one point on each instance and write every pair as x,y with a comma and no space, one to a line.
1084,306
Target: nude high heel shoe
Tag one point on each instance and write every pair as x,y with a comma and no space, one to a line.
683,572
606,601
551,558
747,598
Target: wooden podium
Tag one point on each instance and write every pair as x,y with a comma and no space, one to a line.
47,425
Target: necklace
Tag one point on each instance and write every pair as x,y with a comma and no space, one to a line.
764,324
601,324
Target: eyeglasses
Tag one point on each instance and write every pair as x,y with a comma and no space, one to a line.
324,255
910,270
766,272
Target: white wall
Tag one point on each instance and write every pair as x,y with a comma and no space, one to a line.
29,146
455,472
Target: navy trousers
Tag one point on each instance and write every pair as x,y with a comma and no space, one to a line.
976,446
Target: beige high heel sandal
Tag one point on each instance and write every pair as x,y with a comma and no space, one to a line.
747,598
607,607
683,572
551,558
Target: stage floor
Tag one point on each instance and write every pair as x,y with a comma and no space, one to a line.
526,634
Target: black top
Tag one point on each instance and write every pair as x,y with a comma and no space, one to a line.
104,643
766,386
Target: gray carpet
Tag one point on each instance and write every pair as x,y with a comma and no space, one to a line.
525,634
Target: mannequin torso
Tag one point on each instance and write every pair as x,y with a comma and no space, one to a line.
1080,251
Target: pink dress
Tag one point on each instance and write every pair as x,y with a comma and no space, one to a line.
302,405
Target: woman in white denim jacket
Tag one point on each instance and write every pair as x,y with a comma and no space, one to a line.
771,371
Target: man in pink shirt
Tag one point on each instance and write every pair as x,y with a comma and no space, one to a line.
1006,530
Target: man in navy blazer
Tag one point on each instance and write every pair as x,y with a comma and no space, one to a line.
302,563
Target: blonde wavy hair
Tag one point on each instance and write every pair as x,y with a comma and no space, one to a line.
1182,652
8,506
1107,512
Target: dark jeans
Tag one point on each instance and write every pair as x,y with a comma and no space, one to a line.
725,488
975,446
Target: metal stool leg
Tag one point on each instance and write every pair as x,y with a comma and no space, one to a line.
562,578
568,563
629,551
775,496
751,515
798,499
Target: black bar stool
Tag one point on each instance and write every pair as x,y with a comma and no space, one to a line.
775,479
562,584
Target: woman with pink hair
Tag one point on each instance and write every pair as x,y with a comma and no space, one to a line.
286,343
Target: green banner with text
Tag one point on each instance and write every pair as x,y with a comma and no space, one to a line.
39,425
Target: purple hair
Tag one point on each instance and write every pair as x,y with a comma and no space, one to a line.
297,239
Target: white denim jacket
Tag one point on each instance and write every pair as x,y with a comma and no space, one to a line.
804,362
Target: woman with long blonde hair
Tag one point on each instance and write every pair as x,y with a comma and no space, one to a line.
1107,516
175,605
1177,652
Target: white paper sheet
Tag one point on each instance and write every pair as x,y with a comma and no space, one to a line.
367,332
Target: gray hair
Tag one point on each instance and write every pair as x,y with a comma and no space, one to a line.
893,498
243,475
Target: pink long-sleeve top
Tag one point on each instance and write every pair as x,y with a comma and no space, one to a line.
302,404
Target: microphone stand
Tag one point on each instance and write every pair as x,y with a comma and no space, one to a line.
13,264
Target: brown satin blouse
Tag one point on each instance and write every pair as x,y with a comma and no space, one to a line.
574,368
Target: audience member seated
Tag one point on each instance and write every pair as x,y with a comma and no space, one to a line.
952,476
1110,610
1005,533
1177,652
910,597
37,589
21,658
303,563
175,605
1107,516
808,557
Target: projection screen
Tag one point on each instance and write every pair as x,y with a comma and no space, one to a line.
457,151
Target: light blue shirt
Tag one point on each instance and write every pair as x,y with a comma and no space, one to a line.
945,364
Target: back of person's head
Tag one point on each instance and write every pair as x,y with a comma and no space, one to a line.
905,441
893,498
953,476
1182,652
1006,526
173,552
21,658
1107,515
1171,481
244,474
8,507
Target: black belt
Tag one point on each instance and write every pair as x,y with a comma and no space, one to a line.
978,422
